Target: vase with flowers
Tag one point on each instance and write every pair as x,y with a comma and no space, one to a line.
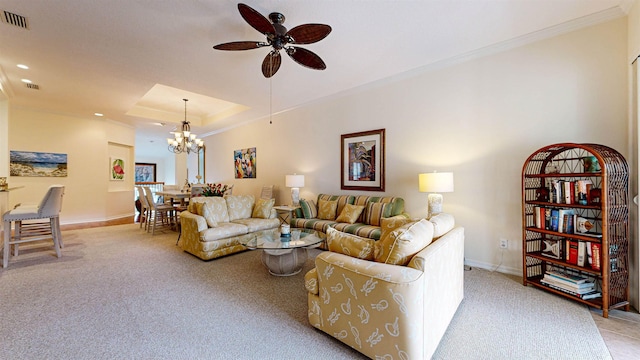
214,190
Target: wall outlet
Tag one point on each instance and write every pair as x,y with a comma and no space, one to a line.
504,244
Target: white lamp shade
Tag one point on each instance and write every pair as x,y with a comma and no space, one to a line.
294,181
436,182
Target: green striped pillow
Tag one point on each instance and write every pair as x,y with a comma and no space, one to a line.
309,209
375,212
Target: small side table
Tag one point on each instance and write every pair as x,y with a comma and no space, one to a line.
285,212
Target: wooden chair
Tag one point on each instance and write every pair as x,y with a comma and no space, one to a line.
144,207
49,208
267,192
159,214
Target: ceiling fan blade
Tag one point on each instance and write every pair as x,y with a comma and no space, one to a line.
309,33
255,19
271,64
239,45
306,58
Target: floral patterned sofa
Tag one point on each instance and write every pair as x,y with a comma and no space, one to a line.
393,298
354,214
217,226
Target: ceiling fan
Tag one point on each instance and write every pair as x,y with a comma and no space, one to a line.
280,39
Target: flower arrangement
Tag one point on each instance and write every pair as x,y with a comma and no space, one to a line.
214,190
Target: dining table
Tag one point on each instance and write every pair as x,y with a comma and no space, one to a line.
175,195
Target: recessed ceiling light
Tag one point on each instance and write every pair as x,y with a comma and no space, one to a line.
22,66
98,114
27,81
159,123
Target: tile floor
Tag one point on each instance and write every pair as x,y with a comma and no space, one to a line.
621,333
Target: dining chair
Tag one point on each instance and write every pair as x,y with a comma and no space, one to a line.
49,208
267,192
144,207
159,214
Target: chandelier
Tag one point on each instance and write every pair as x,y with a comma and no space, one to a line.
185,141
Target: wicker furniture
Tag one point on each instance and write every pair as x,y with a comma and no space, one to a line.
608,213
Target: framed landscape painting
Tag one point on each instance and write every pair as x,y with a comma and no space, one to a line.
28,163
362,159
145,172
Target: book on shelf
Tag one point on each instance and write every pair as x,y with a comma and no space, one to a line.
577,291
553,224
569,285
569,192
572,252
595,254
563,275
586,296
582,253
566,221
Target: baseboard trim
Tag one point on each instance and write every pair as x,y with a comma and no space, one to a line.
94,224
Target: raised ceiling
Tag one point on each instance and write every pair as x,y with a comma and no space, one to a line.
134,61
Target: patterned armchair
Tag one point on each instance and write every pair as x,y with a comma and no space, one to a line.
389,305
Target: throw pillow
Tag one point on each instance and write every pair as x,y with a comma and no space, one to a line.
205,210
192,207
387,225
350,213
375,212
262,208
442,224
327,209
348,244
309,210
406,241
239,206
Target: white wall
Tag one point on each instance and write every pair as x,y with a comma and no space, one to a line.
89,194
634,158
479,119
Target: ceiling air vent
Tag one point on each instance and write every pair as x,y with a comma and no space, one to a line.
33,86
15,20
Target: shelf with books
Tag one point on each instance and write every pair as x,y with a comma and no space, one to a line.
575,219
593,302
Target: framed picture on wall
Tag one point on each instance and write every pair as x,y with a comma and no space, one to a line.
362,159
245,163
116,168
28,163
145,172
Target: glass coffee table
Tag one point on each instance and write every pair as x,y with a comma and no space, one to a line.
285,255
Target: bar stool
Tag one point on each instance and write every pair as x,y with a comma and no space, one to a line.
49,208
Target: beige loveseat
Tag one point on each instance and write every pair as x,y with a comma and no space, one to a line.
217,226
392,299
368,212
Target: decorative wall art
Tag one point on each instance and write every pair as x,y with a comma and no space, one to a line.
116,169
145,172
245,163
362,159
27,163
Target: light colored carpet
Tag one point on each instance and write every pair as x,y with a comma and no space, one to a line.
119,293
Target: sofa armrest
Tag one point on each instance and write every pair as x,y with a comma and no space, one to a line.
189,220
364,269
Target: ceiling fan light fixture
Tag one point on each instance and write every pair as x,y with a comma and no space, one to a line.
279,38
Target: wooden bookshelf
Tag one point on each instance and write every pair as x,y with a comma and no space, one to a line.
608,213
